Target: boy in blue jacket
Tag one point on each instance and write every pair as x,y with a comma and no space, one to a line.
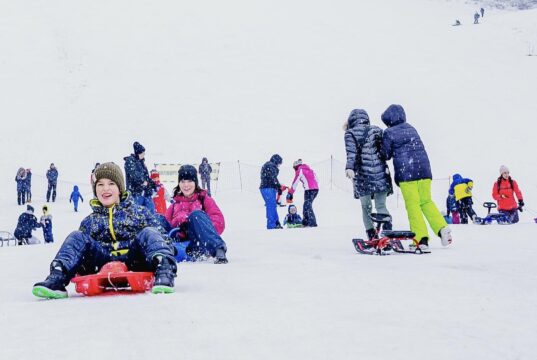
292,219
118,229
46,223
75,196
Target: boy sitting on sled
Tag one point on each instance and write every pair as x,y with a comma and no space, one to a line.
117,230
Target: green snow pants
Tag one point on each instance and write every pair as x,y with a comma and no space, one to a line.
418,202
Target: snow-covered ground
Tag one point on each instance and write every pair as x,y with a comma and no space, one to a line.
243,80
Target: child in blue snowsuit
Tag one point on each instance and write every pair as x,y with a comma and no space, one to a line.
292,219
75,196
46,223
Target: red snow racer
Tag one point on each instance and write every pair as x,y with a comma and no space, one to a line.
114,278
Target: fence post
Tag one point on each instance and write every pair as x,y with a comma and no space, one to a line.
240,174
331,170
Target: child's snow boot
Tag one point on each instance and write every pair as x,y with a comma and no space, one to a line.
165,272
54,285
445,236
220,256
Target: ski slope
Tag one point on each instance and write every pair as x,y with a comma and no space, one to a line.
240,80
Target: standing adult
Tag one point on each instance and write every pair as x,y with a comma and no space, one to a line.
305,175
504,191
52,177
366,167
139,183
413,175
269,188
476,18
205,171
482,12
20,178
92,176
28,185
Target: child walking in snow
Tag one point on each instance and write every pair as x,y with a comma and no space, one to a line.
461,189
75,196
198,219
413,175
451,210
504,191
292,219
161,194
118,229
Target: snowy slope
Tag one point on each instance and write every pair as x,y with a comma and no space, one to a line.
242,80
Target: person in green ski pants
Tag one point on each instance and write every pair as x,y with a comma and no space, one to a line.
413,175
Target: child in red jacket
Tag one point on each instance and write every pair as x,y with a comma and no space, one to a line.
198,218
504,191
161,195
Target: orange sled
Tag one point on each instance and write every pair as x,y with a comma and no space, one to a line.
114,279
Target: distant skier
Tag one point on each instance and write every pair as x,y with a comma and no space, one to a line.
46,224
75,196
28,185
52,177
305,175
461,189
366,167
20,178
26,224
457,23
482,12
476,18
269,188
205,171
292,219
504,191
138,181
413,175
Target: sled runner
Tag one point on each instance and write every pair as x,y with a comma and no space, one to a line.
388,242
487,220
114,278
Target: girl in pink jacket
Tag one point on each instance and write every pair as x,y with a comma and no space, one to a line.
305,175
198,219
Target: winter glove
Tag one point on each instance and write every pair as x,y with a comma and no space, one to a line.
520,205
289,198
349,173
469,190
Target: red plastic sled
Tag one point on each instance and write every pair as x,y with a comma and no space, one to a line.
113,279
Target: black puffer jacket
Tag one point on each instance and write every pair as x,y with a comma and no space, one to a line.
362,143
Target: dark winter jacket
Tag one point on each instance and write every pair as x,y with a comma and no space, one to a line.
20,178
362,143
46,224
26,224
269,173
52,176
27,184
128,219
205,169
76,195
451,204
136,174
402,142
